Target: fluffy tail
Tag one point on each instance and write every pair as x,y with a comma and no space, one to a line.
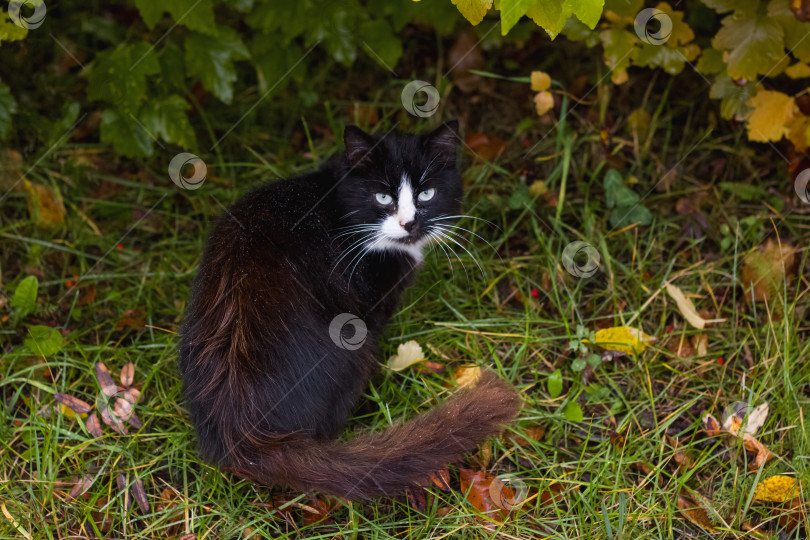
386,462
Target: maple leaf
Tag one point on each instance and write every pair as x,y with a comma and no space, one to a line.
772,111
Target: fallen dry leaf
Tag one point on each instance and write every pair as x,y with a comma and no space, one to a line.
738,413
441,479
105,380
132,318
476,487
408,353
687,308
778,489
540,81
93,425
82,484
534,433
127,374
488,147
466,375
623,339
139,495
694,512
765,270
543,102
45,205
73,403
763,454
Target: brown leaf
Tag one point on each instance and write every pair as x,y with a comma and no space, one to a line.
134,421
45,204
318,510
800,9
792,514
417,498
131,394
488,147
763,455
552,495
87,295
132,318
765,270
121,408
114,423
83,483
73,403
139,494
93,425
476,487
121,482
694,513
441,479
127,374
534,433
105,380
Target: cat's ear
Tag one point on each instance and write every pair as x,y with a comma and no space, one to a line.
443,141
359,145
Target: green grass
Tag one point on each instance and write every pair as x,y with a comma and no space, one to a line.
613,487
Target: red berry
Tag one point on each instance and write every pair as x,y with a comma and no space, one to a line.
535,293
721,361
119,246
670,328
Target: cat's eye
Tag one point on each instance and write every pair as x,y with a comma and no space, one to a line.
384,198
427,194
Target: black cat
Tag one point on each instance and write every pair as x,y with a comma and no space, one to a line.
281,335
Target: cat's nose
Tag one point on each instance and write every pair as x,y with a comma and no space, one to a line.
407,226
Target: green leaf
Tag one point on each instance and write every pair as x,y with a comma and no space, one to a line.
118,76
594,360
573,412
127,137
513,10
711,62
795,31
670,59
620,50
627,215
624,9
473,10
612,183
25,297
741,6
10,31
276,64
43,340
167,119
197,15
733,97
58,128
754,42
578,364
8,106
211,60
587,11
555,384
380,39
173,67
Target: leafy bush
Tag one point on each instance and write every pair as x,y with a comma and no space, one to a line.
151,66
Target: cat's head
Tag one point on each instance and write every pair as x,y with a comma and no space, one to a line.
396,189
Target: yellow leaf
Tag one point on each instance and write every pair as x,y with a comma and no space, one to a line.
46,207
680,34
538,188
800,132
623,339
619,76
638,123
466,375
540,81
473,10
67,411
777,489
771,113
543,101
686,307
799,70
407,354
